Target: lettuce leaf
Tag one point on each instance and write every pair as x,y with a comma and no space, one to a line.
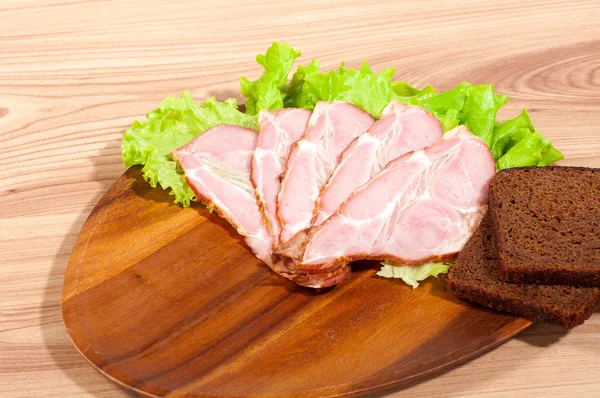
509,133
294,96
516,144
446,106
532,150
265,92
404,92
479,111
362,87
412,275
174,124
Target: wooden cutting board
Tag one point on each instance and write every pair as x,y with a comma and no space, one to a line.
170,302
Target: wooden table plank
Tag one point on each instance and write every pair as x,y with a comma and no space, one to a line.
74,75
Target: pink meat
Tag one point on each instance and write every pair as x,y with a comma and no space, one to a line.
400,130
217,168
332,126
422,206
278,131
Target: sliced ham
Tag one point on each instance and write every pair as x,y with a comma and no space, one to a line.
278,131
217,168
400,130
331,128
422,206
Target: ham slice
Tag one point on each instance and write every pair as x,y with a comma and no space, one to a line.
400,130
278,131
422,206
331,128
217,168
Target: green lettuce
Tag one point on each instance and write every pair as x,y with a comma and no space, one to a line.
361,87
531,150
174,124
412,275
294,94
509,133
474,106
267,92
516,143
479,111
445,106
405,93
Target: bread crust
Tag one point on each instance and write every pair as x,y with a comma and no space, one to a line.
475,277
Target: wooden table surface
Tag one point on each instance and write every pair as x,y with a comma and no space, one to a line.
74,74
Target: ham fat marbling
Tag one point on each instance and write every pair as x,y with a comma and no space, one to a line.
331,128
278,131
401,129
422,206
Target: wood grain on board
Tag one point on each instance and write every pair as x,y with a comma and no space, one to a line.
74,75
171,302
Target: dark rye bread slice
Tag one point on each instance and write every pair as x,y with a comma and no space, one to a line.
547,225
474,277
